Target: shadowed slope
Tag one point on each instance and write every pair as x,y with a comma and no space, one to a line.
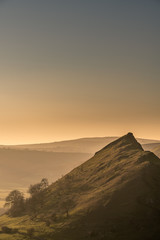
115,194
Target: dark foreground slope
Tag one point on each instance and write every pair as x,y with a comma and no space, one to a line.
114,195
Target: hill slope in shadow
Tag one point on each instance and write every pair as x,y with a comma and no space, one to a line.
114,195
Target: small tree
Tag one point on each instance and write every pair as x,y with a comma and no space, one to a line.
14,198
15,201
67,205
65,194
44,183
38,187
34,189
36,201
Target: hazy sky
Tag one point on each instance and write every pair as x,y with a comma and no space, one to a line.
76,68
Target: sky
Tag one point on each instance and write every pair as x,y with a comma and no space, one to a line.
79,68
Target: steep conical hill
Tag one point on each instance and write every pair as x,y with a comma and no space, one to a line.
114,195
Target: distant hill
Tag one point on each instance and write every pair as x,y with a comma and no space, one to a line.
157,150
114,195
154,147
82,145
89,145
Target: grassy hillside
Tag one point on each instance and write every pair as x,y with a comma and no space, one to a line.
114,195
23,226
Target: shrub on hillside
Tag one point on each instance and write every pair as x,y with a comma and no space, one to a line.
6,229
30,232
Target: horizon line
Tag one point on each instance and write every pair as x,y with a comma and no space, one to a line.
71,139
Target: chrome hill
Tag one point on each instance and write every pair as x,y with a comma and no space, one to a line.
113,196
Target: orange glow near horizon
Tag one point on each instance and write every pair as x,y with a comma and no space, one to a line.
64,76
43,135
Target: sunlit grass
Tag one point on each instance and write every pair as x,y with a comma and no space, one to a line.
22,224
